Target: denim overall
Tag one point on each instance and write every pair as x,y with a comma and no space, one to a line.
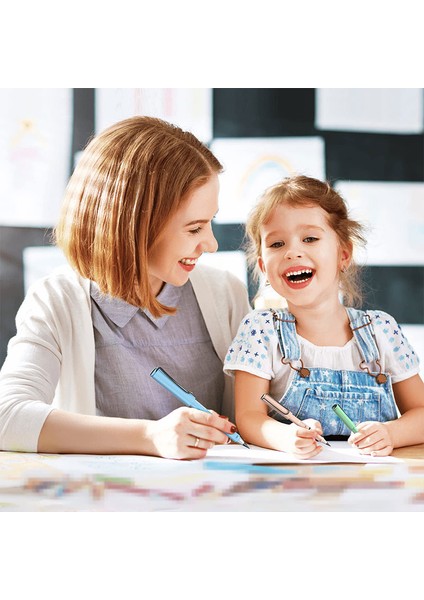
364,396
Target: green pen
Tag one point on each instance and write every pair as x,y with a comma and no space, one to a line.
343,416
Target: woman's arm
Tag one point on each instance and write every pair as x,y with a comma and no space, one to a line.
173,436
256,427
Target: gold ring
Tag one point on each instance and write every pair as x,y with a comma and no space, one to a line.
196,443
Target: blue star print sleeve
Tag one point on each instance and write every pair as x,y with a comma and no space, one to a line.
252,347
399,356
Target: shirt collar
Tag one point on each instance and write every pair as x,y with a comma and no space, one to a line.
121,313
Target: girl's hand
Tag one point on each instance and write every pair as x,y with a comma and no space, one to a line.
372,438
301,442
187,433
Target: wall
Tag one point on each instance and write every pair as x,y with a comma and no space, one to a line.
379,168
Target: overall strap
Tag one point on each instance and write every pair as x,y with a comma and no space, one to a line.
361,325
284,324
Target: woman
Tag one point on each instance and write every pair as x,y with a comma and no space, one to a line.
135,220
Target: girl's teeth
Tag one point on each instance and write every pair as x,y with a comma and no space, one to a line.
294,276
188,261
299,272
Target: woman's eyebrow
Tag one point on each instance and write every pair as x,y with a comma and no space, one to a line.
200,221
196,222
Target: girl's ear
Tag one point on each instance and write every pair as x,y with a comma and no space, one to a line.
345,256
261,265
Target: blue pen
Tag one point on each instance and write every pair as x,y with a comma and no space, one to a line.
186,397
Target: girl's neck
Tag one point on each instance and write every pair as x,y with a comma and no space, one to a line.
323,326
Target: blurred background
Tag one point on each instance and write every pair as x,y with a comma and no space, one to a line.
369,143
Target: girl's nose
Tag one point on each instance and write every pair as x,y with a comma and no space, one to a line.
293,252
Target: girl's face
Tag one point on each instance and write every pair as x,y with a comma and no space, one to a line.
301,255
185,237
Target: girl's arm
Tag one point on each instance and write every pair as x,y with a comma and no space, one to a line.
380,439
409,428
256,427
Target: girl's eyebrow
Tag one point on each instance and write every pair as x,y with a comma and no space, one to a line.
279,233
312,227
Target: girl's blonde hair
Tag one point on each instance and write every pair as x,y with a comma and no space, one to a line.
300,190
129,182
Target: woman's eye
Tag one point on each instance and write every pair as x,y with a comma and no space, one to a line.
277,245
310,239
195,231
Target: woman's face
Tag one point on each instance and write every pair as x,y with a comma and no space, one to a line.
185,237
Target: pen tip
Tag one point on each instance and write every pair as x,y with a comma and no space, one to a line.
245,445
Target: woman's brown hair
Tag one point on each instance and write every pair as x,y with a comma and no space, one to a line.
300,190
129,182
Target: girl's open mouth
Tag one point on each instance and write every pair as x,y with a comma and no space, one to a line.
299,277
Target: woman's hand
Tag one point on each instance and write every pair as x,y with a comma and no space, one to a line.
301,442
188,433
372,438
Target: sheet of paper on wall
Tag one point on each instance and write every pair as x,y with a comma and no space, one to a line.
35,145
253,164
394,214
339,452
39,261
394,110
234,261
189,108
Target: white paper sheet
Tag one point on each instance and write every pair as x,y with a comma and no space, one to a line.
253,164
339,452
35,145
189,108
393,212
39,261
381,110
235,262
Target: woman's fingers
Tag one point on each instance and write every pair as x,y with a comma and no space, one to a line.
199,443
209,426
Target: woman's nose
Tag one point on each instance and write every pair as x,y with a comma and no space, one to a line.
210,244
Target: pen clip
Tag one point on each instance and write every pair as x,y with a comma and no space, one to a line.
274,404
167,376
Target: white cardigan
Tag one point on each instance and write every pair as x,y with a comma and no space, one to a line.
50,361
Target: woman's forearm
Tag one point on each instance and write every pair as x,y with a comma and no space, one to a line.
65,432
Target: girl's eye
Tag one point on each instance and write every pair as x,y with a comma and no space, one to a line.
277,245
310,239
195,231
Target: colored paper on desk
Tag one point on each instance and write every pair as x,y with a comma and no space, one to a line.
339,452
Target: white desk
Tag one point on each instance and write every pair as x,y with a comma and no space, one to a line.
42,482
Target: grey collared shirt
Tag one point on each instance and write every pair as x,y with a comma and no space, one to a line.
129,343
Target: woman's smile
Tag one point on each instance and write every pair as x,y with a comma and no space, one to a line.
188,264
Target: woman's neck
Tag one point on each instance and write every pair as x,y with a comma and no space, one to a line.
323,326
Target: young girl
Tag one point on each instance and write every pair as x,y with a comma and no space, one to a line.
318,352
136,218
